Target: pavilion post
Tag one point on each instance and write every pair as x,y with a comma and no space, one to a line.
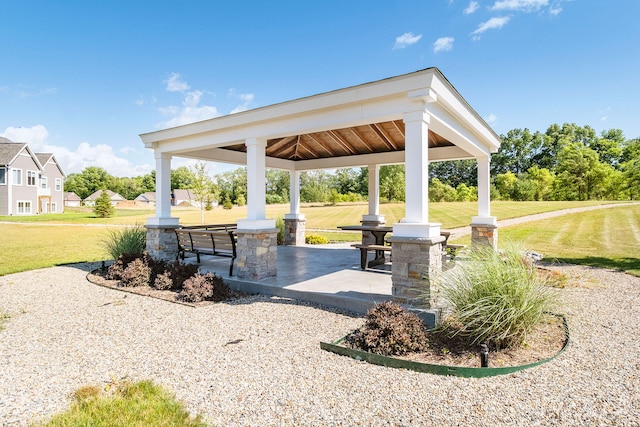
257,246
373,218
416,243
484,227
294,221
161,239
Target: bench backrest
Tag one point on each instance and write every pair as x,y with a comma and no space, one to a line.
206,240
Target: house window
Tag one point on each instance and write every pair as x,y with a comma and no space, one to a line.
24,207
3,176
17,176
43,182
31,178
58,184
54,207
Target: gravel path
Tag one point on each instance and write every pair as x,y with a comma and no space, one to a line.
257,362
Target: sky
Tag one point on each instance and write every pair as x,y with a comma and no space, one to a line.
83,79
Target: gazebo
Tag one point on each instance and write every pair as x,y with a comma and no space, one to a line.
415,119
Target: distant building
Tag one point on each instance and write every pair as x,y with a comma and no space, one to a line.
115,198
30,183
149,198
72,199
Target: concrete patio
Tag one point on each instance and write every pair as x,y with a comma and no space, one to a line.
324,274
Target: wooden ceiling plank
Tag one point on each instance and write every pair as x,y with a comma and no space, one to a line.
321,144
383,135
341,141
361,139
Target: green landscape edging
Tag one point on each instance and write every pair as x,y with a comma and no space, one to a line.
458,371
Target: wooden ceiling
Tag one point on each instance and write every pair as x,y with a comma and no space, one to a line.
366,139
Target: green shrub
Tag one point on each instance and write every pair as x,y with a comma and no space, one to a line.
390,330
280,227
315,239
129,240
204,287
496,297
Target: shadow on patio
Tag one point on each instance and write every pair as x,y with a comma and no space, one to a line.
323,274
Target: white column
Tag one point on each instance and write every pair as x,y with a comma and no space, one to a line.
484,193
163,192
417,178
374,195
256,187
294,196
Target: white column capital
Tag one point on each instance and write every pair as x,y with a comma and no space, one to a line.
162,156
255,142
415,116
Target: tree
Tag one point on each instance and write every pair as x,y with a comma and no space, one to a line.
277,186
103,207
182,178
580,173
89,181
392,182
315,186
202,187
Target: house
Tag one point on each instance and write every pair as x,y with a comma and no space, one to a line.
149,198
30,183
115,198
181,197
72,199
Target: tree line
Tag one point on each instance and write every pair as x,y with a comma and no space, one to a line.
567,162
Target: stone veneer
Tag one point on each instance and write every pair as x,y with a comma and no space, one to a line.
484,235
367,237
415,263
294,231
162,243
257,254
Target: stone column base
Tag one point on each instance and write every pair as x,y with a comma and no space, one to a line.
367,237
257,254
415,263
162,243
294,231
484,235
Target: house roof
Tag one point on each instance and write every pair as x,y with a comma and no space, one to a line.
349,127
44,158
180,194
10,150
115,197
149,196
71,196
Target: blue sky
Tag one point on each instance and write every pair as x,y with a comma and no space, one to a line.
83,79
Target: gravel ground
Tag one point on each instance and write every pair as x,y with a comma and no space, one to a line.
258,362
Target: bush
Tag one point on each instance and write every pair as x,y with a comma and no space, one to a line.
204,287
115,270
390,330
496,297
162,282
129,240
137,273
280,227
315,239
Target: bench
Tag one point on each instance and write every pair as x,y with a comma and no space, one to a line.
365,249
214,242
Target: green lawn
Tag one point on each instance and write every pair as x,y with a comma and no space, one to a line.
607,237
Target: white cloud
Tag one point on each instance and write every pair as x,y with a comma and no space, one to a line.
555,10
246,98
520,5
491,119
74,161
406,39
491,24
473,6
174,84
443,44
190,111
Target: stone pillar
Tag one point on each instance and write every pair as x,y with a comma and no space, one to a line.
416,261
257,253
484,235
162,243
294,231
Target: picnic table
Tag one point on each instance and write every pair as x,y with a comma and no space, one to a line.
379,247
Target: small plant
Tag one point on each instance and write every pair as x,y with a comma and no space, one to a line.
204,287
129,240
280,227
315,239
163,281
115,270
103,207
390,329
125,404
137,273
496,297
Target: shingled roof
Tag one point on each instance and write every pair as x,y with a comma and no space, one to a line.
9,150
